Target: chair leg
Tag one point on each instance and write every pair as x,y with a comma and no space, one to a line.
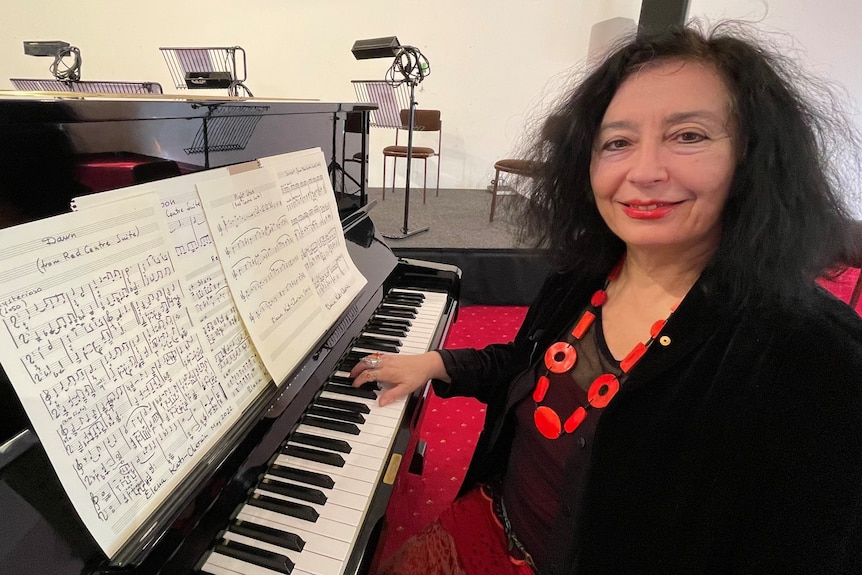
424,178
438,175
394,170
494,195
384,178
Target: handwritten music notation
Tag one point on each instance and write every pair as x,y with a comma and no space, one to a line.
280,242
307,192
211,308
139,327
100,347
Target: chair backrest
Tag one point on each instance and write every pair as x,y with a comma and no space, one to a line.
390,98
424,120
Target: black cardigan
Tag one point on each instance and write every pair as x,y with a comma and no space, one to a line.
736,448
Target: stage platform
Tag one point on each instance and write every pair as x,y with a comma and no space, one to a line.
496,271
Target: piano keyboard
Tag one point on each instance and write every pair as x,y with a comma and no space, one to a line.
304,515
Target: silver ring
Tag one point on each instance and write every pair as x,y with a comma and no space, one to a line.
373,361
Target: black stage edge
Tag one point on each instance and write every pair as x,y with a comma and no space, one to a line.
490,276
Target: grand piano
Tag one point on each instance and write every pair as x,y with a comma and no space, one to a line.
300,484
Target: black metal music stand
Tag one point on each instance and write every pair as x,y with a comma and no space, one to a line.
413,67
336,171
202,68
86,86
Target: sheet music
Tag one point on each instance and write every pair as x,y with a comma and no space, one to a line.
212,310
280,243
308,196
100,347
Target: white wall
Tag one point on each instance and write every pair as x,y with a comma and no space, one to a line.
492,61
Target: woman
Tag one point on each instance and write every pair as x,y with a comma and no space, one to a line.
682,397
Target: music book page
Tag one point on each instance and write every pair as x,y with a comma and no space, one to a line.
100,347
211,309
280,242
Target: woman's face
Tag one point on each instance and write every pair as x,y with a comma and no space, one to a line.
664,158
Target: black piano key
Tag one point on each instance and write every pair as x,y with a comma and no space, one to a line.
396,312
350,359
354,355
405,293
324,457
341,426
255,556
292,490
341,380
354,406
398,307
268,534
391,322
337,414
403,302
352,391
382,330
301,475
377,344
284,507
340,383
322,442
408,298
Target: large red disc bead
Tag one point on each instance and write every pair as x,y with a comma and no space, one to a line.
547,422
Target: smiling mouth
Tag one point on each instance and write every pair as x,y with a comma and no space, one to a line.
649,207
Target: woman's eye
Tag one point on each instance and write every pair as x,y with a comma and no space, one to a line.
614,145
690,137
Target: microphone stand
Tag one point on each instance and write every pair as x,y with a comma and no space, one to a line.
405,230
409,53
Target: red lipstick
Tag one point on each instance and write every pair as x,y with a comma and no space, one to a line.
647,211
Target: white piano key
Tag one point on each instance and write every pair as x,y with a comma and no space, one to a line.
385,420
329,510
317,543
367,476
335,495
218,564
329,532
370,440
304,561
350,459
375,451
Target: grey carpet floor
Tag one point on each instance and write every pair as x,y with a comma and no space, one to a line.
454,218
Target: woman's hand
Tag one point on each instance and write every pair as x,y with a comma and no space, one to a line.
398,375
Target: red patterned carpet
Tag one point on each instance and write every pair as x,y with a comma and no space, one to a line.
450,428
843,286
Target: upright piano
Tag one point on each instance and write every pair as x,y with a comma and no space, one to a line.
300,484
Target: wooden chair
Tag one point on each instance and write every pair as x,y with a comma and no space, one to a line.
525,168
519,167
423,121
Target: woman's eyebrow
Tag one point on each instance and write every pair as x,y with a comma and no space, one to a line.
703,115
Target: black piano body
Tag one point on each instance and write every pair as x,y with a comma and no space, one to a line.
39,529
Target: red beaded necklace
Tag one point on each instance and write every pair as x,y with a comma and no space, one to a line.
561,357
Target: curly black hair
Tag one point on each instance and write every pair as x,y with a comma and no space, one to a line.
785,222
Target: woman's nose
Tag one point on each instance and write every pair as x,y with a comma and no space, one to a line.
647,164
